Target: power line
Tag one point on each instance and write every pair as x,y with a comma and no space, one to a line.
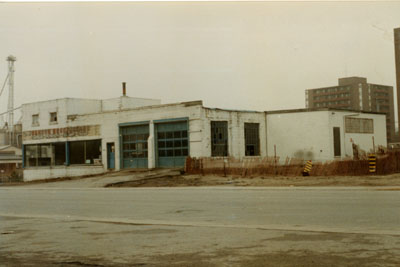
5,81
10,110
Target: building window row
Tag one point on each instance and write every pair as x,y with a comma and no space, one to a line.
52,118
381,94
324,97
333,89
331,103
55,154
378,87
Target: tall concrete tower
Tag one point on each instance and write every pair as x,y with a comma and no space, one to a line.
10,108
397,61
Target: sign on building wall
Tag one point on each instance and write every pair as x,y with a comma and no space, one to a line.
86,130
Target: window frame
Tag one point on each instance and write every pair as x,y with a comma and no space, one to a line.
359,125
53,120
223,141
35,119
247,128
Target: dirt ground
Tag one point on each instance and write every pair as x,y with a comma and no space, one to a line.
176,178
50,242
213,180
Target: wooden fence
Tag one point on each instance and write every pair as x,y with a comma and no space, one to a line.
386,164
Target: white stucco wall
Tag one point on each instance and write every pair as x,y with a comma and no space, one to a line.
39,173
43,109
109,132
82,106
299,135
302,134
75,106
364,140
125,102
309,135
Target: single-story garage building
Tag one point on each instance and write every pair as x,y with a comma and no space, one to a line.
70,137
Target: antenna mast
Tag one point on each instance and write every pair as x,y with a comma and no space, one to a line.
11,59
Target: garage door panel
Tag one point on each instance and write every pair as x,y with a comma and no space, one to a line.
172,144
134,146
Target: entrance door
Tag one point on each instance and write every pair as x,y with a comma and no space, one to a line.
111,156
336,142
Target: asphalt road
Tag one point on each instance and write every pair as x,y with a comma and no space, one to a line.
326,209
197,215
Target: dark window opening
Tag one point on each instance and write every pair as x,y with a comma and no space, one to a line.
52,154
77,152
85,152
219,138
53,116
252,139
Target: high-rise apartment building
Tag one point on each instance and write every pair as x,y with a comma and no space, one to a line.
397,61
354,93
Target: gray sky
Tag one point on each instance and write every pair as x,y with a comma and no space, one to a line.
253,56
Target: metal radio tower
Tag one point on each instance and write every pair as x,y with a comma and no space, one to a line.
11,60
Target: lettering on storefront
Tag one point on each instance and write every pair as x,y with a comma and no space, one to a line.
87,130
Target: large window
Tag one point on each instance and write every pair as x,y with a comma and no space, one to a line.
252,139
358,125
52,154
219,138
85,152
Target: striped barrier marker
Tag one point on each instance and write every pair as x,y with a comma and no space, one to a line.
307,168
372,163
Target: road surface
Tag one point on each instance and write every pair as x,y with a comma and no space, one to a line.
207,226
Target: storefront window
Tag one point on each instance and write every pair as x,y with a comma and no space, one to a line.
85,152
54,154
44,154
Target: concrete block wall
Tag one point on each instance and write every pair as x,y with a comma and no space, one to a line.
236,120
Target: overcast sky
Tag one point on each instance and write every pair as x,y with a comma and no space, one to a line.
237,55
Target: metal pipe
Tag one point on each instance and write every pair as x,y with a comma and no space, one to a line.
124,88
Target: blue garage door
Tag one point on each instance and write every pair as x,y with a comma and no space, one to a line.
134,146
172,144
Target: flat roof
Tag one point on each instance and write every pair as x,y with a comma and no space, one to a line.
88,99
321,109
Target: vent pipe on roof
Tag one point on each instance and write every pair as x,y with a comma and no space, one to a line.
124,89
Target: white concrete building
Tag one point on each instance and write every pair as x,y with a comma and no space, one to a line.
68,137
323,134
